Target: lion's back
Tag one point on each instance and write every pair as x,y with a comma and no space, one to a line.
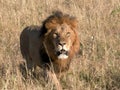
24,40
29,40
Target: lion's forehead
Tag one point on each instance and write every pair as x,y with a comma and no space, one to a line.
63,29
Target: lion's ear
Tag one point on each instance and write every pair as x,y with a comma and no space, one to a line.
73,22
50,24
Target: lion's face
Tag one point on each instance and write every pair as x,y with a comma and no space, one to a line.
62,40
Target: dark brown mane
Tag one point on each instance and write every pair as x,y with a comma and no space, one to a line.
59,18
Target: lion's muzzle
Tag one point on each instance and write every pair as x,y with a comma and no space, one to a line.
62,50
62,54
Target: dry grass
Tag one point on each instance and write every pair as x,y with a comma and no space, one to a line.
98,68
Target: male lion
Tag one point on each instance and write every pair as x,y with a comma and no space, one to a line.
53,45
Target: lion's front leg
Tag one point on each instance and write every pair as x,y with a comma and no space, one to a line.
51,77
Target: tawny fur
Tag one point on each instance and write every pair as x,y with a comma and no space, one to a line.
36,43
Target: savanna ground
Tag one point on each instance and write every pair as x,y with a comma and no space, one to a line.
98,65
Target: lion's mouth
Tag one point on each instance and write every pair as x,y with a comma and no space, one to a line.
62,54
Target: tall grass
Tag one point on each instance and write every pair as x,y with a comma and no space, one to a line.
97,67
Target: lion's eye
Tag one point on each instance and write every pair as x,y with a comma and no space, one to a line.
55,35
68,34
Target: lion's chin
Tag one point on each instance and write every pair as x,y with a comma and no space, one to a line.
62,56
